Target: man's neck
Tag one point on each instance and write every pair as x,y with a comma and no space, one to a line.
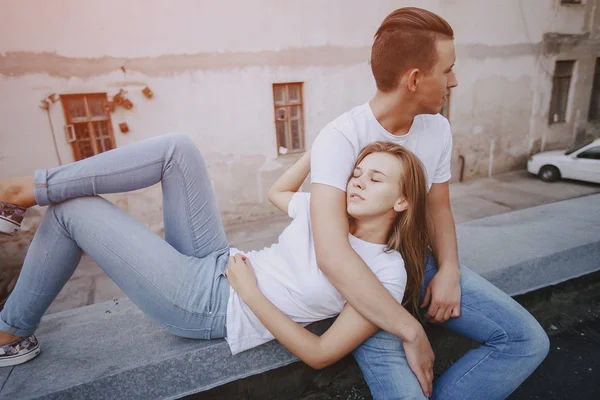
393,112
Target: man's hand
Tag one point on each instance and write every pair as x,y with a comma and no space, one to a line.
443,295
420,357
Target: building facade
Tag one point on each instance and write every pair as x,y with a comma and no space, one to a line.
253,82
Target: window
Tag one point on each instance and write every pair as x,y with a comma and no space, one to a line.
574,149
289,117
570,1
560,91
592,154
594,113
89,127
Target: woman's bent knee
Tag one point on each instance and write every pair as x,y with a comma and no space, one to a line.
178,139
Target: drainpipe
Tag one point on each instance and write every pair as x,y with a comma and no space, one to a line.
491,157
53,137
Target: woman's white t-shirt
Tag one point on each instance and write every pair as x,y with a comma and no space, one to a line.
288,275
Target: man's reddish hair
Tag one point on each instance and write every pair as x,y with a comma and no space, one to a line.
406,39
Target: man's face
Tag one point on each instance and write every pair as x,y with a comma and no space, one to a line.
433,89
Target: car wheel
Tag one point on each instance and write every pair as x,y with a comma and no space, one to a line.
549,173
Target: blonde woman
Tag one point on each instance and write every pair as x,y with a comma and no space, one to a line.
192,283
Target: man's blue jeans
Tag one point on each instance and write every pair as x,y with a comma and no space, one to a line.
513,344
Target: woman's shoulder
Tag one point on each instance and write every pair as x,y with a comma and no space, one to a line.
299,205
389,262
389,269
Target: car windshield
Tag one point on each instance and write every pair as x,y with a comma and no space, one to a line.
573,150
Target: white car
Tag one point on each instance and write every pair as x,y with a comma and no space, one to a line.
582,164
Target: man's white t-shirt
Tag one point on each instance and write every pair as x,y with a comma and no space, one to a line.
288,275
337,146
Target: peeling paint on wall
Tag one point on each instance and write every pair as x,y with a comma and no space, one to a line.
555,43
55,65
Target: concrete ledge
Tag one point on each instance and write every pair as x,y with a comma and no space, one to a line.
528,249
111,350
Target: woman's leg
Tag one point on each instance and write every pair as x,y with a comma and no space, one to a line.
192,220
182,293
191,217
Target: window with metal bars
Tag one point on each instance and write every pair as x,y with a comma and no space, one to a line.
561,83
289,117
89,127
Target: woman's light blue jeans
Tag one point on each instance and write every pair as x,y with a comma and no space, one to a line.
178,282
512,345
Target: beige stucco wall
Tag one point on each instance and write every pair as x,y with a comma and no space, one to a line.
211,66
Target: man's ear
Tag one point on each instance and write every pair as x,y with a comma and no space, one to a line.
413,78
401,205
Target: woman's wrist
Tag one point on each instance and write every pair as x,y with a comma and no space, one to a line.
251,295
410,329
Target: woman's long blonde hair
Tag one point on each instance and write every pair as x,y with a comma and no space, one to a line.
408,234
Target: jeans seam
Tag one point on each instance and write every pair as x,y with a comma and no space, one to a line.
495,323
187,208
486,356
187,204
190,229
38,283
475,366
368,366
190,329
59,182
44,264
139,274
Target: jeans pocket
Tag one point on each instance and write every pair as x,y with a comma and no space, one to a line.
191,333
220,275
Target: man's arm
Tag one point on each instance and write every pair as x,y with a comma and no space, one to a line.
332,161
443,291
350,275
346,271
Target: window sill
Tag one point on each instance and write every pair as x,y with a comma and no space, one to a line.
573,5
290,158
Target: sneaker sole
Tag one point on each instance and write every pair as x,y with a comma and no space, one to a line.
8,227
20,359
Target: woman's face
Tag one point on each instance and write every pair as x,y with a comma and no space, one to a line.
374,190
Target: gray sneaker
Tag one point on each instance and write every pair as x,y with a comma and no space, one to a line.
19,351
11,216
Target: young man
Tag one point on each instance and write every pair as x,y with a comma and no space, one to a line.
412,59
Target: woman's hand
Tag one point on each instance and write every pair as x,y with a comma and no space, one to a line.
241,276
420,357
